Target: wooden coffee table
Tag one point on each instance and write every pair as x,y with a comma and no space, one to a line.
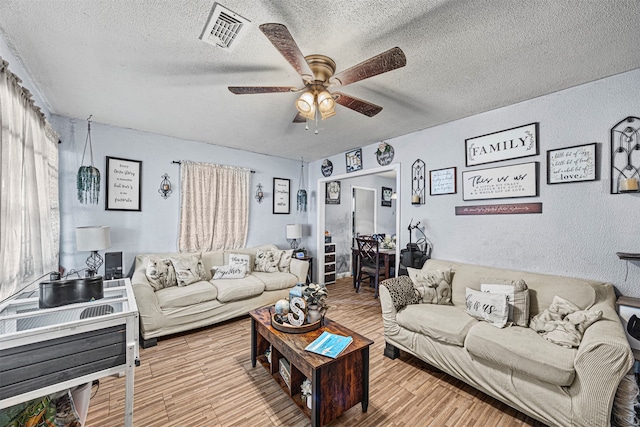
337,384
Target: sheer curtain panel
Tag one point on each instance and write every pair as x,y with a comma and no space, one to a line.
29,213
214,212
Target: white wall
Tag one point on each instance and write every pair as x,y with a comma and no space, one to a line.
582,225
155,228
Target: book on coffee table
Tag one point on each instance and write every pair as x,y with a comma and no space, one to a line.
329,344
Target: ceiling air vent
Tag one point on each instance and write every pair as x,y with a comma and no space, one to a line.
224,28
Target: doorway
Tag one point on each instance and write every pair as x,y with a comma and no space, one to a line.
363,212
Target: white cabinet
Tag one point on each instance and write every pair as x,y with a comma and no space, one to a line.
329,263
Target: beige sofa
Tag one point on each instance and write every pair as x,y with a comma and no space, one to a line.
181,308
556,385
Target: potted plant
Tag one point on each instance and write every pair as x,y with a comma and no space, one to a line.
305,392
315,295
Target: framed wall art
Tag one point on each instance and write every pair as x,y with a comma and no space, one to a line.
572,164
354,160
514,143
332,193
501,183
124,183
442,181
386,196
281,195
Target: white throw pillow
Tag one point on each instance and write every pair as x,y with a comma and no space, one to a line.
517,298
285,261
237,271
487,306
160,273
241,259
267,261
189,269
432,286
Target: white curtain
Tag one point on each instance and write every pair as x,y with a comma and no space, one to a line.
29,213
214,211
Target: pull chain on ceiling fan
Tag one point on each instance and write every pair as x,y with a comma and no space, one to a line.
317,73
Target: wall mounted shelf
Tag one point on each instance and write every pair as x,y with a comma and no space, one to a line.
628,255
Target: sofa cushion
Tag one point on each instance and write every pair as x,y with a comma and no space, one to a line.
522,350
276,281
440,322
517,298
186,296
160,273
267,261
234,271
236,260
487,306
189,269
234,289
433,286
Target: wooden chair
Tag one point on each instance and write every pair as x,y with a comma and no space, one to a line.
370,264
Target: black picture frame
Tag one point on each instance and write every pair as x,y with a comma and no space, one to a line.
354,160
123,184
281,196
332,192
578,163
503,145
502,182
443,181
386,196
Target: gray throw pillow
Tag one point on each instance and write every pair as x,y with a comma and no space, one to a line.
160,273
433,286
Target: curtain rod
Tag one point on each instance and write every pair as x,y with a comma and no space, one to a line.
179,162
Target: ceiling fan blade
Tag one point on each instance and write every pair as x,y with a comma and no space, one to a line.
299,119
386,61
358,105
282,39
247,90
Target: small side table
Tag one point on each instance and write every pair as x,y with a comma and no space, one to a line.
310,271
627,307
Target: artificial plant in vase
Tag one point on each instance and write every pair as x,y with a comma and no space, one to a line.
88,179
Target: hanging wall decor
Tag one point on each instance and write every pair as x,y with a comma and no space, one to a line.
417,183
281,197
354,160
165,187
514,143
384,154
124,185
88,179
326,168
625,156
302,193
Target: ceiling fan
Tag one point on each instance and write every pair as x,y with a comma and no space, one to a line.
318,74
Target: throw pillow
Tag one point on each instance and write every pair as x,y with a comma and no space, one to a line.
267,261
401,291
517,298
241,259
160,273
285,261
432,286
237,271
486,306
189,269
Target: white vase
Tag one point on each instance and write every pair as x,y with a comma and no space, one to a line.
309,402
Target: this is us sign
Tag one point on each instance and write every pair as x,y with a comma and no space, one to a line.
507,144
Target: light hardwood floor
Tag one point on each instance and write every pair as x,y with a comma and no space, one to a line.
205,378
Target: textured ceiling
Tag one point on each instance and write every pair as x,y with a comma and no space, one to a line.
140,64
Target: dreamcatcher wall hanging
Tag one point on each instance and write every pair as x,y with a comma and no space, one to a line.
88,180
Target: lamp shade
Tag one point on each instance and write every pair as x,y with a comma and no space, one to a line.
93,238
294,231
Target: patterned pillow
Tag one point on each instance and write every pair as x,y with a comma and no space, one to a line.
267,261
189,269
433,286
237,271
401,291
487,306
517,298
285,261
241,259
160,273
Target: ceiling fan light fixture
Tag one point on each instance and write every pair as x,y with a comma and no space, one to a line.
325,102
306,105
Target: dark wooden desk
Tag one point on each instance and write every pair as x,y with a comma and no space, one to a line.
389,256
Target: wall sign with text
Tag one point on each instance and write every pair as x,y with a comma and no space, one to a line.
281,196
501,183
507,144
572,164
442,181
124,182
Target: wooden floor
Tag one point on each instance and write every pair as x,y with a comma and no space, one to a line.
205,378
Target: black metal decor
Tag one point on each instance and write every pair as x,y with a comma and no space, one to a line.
165,187
625,156
417,182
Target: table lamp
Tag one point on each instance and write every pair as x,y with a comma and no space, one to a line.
93,238
294,232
